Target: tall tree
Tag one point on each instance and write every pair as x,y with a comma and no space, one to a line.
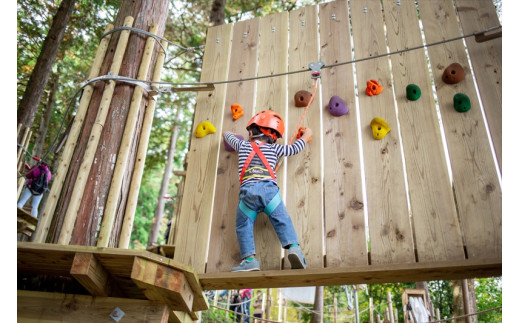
218,12
40,75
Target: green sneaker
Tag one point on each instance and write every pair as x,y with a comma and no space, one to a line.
247,265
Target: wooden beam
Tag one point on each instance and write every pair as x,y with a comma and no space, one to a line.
162,283
87,270
373,274
56,307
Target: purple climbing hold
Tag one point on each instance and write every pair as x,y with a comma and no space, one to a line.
337,107
228,147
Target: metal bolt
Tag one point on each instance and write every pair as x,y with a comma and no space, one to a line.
273,29
303,22
245,35
365,10
333,16
218,40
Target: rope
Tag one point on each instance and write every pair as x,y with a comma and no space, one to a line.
467,315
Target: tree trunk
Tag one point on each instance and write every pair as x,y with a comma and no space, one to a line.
159,209
458,301
40,75
46,118
317,309
91,207
218,13
470,301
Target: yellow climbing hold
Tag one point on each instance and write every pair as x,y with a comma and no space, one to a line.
204,128
379,128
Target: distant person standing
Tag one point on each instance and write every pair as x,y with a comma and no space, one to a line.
257,306
38,179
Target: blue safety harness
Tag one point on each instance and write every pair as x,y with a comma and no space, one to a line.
275,201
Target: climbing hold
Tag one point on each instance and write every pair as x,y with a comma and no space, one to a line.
453,74
337,107
300,133
413,92
379,128
228,147
204,128
373,88
302,98
461,102
236,111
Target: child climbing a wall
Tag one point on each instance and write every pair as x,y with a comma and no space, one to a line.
259,190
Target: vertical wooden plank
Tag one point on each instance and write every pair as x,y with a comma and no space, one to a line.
486,59
304,187
343,196
272,95
224,252
477,189
388,218
195,216
434,216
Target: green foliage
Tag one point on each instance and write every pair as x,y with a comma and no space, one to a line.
488,292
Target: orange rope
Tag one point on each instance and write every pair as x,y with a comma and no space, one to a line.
301,118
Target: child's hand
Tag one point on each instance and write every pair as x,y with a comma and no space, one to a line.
307,134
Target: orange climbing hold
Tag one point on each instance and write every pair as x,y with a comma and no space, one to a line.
236,110
373,88
301,130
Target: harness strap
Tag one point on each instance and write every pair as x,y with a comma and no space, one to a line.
269,208
256,151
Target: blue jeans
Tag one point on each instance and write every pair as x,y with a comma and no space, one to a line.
26,194
256,196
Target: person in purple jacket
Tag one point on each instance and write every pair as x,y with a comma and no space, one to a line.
29,190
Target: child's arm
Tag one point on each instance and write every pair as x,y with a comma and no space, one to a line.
232,140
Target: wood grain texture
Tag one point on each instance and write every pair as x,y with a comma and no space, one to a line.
304,184
388,218
224,252
197,204
57,307
486,61
434,215
343,196
477,190
272,95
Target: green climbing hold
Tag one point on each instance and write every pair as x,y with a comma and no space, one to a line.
461,102
413,92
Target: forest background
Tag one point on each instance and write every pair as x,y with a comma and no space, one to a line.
186,26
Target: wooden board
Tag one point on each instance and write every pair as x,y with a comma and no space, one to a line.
224,252
352,275
343,196
486,61
195,216
57,307
272,95
388,218
434,215
477,190
304,185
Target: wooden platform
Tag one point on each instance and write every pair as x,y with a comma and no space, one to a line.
26,223
372,274
121,273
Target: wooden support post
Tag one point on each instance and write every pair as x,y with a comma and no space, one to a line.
335,317
390,307
126,145
371,306
72,138
21,163
21,149
97,128
56,307
87,270
131,202
162,283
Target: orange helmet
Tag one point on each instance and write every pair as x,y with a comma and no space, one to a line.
270,120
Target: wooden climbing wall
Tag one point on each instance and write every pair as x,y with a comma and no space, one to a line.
354,200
